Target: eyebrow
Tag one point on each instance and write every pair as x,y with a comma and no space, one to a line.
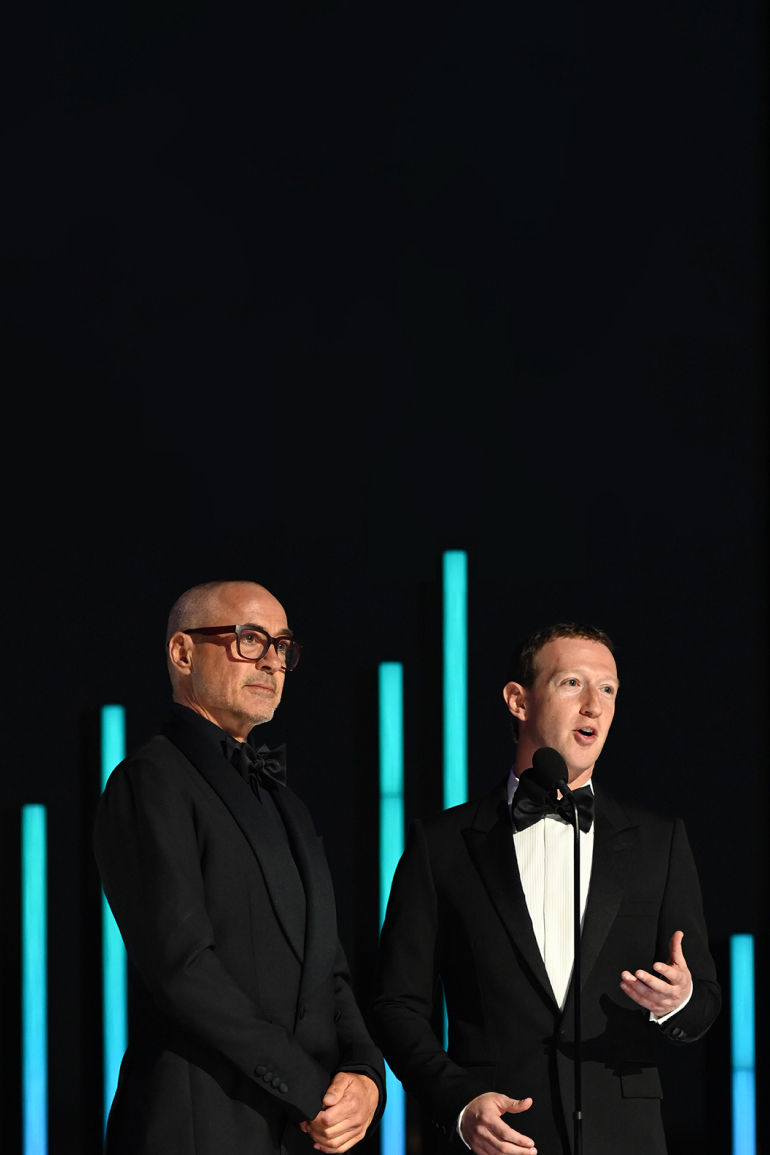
284,633
576,670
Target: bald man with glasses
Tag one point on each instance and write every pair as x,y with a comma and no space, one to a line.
248,1036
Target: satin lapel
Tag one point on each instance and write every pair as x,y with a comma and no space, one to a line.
614,842
269,847
321,917
490,846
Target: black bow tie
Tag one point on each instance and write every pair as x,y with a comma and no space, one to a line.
531,803
267,766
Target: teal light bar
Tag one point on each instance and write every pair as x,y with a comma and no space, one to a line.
34,981
391,695
455,576
114,969
742,1036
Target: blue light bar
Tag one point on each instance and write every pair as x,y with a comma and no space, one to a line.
742,1038
455,574
391,695
34,981
114,969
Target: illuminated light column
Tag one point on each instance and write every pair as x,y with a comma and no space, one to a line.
391,695
742,1033
455,577
34,981
114,976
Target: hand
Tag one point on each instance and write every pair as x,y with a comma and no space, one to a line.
661,996
348,1109
484,1130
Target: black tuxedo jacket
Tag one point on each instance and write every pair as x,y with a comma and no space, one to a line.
231,925
457,913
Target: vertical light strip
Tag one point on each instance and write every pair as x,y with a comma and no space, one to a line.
34,980
114,978
455,577
455,582
391,705
742,1032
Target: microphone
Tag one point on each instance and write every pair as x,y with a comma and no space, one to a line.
549,770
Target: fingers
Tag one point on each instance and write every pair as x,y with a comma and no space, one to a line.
336,1146
485,1131
516,1105
654,995
676,958
483,1142
669,977
339,1139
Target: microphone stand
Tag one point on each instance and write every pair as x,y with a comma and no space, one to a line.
577,1115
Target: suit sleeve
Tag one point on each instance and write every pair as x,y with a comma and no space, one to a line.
682,909
357,1051
407,984
147,853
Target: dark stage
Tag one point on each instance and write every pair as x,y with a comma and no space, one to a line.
310,293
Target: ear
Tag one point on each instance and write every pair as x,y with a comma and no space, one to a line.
180,647
515,697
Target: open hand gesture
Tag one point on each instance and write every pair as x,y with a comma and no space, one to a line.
484,1130
666,994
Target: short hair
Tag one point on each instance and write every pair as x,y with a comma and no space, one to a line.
188,606
522,664
188,609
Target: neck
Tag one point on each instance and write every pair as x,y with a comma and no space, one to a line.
576,776
238,728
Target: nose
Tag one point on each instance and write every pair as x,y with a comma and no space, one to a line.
272,660
592,703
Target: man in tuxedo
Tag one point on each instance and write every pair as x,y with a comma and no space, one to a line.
482,902
249,1039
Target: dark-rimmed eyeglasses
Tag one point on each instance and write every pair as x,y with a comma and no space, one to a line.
253,642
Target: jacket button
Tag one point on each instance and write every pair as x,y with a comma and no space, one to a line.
283,1088
261,1070
268,1076
276,1082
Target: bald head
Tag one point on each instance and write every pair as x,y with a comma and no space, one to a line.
207,672
193,608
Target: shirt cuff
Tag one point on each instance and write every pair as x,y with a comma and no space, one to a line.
662,1019
459,1132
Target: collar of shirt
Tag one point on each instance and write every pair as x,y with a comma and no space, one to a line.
213,734
513,783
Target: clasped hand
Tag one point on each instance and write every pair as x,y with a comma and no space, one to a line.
661,995
348,1109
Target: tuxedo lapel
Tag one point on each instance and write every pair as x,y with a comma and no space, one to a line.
270,849
321,917
490,846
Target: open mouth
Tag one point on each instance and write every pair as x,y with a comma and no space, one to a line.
587,733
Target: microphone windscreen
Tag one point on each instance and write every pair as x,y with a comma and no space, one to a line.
548,768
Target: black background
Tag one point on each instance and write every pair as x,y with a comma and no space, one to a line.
311,293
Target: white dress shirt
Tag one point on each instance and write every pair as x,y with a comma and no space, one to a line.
545,855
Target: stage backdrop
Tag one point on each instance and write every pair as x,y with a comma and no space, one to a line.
312,293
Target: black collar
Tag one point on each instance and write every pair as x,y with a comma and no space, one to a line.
209,733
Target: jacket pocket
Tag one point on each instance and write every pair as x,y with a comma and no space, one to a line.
638,1082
